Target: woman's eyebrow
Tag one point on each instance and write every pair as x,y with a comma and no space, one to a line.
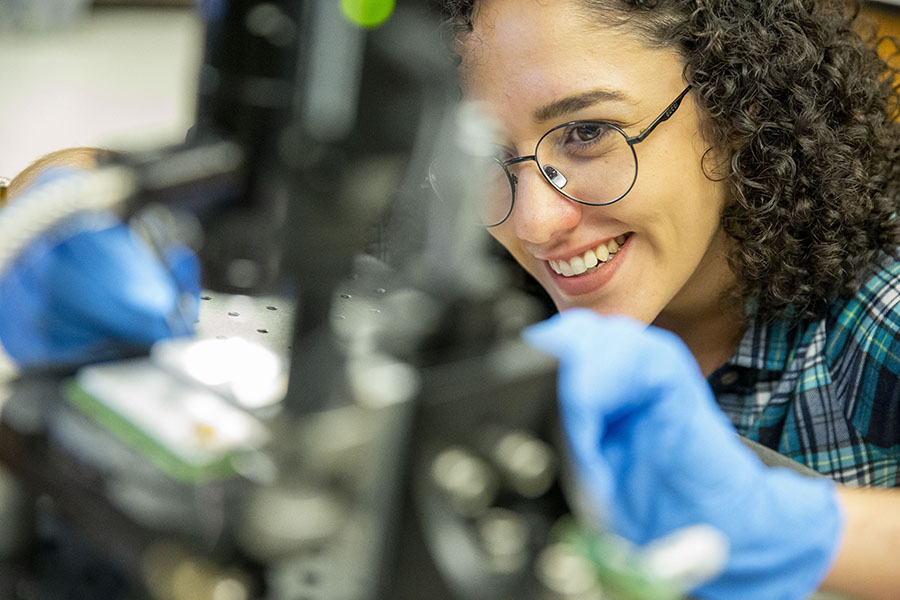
576,102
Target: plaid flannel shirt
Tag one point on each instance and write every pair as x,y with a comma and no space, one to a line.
825,393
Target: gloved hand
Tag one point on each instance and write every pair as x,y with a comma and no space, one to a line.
654,453
91,290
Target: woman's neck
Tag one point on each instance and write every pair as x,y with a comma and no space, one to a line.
699,314
711,338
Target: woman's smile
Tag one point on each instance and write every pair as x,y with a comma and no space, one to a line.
591,260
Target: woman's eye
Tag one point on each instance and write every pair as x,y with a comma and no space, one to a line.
581,134
587,133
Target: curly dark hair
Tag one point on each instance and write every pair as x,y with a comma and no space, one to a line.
805,108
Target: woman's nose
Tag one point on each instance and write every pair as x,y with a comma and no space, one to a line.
540,213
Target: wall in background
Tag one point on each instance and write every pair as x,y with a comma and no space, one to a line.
886,17
122,78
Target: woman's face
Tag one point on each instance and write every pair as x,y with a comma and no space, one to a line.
539,64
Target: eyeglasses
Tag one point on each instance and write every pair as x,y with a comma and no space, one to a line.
589,162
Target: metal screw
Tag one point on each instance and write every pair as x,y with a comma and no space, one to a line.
468,481
562,570
528,464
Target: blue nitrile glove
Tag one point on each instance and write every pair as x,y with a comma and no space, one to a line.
90,290
654,453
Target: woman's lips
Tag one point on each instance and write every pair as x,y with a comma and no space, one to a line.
591,259
593,279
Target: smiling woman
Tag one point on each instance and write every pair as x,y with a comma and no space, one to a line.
672,264
758,222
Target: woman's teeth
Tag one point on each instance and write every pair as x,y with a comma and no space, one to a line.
590,261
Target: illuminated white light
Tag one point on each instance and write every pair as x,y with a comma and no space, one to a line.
252,375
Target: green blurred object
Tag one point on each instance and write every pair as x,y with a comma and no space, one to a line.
187,431
367,13
618,567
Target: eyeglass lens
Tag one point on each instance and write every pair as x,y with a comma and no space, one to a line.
588,162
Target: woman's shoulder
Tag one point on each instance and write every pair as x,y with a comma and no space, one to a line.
876,303
862,349
862,332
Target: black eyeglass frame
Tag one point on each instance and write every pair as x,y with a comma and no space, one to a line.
665,115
